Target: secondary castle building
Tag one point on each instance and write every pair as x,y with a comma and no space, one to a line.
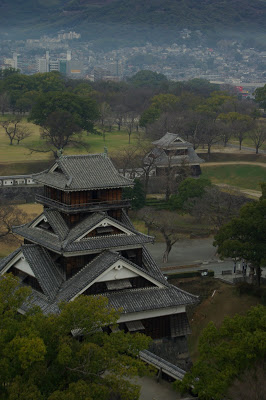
83,243
171,151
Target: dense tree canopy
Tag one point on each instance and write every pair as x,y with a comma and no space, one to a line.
244,236
187,189
84,111
260,96
41,360
148,78
226,353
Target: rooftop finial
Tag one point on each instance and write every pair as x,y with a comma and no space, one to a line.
105,151
59,153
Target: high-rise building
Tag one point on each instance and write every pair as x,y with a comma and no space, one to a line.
42,65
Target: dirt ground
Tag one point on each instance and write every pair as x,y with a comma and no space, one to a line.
218,300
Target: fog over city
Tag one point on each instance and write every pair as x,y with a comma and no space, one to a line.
114,40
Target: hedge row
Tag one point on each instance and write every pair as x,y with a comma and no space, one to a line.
189,274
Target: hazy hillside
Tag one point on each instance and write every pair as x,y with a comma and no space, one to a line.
136,16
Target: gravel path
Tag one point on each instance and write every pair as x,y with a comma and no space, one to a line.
209,164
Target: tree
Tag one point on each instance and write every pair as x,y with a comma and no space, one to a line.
84,111
137,158
15,130
170,176
239,124
4,102
250,385
187,189
149,116
136,195
212,135
159,104
148,78
215,206
58,132
22,132
260,96
225,353
9,216
258,136
48,82
165,222
244,236
41,360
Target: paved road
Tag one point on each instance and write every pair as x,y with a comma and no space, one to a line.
185,252
195,253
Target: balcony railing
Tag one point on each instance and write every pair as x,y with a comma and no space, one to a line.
74,208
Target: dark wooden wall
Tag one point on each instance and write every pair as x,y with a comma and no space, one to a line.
83,196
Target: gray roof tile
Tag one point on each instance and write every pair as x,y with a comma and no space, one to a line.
84,172
57,223
136,300
44,269
92,270
4,261
169,140
54,242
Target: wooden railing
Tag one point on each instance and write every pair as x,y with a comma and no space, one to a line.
72,208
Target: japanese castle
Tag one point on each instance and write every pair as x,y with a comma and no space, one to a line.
172,151
84,243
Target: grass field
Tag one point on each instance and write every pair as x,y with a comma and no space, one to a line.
94,144
7,246
218,300
248,143
242,176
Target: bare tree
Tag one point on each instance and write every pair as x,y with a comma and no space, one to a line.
137,159
10,216
126,159
22,133
11,126
213,134
105,112
166,223
258,135
241,128
251,385
216,206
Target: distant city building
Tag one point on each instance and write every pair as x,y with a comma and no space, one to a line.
73,68
42,65
11,62
100,73
116,68
113,73
69,36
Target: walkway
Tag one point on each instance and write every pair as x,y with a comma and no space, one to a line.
194,254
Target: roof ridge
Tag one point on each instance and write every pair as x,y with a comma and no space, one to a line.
132,290
80,155
90,262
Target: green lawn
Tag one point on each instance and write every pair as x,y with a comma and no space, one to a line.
248,143
10,155
242,176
